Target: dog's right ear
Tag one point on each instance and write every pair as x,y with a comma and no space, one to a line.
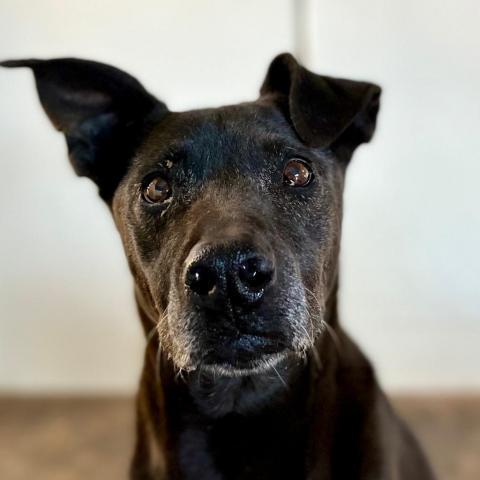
103,112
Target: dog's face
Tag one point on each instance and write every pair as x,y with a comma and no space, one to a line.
229,220
230,217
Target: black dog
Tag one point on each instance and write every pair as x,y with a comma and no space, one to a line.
230,218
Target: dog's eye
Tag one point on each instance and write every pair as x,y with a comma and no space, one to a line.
157,191
297,173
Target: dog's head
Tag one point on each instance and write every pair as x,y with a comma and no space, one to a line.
231,216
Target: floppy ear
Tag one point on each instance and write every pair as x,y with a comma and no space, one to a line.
324,111
103,112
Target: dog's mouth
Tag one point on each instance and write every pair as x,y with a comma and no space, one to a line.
243,344
243,351
257,365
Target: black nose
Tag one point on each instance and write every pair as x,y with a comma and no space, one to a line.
239,275
201,279
255,273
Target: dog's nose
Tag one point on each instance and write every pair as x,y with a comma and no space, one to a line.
255,273
240,275
201,279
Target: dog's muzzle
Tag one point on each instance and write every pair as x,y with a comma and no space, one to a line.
237,304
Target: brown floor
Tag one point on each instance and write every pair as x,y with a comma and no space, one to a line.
91,438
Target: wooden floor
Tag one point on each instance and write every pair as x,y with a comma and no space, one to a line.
91,438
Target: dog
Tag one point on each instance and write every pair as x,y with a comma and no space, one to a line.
230,218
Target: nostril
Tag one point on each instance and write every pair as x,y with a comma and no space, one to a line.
256,273
201,279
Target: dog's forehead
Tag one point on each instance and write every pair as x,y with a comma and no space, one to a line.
222,130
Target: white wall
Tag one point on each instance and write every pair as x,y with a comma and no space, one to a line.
411,244
410,265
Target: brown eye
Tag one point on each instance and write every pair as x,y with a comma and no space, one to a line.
157,191
297,173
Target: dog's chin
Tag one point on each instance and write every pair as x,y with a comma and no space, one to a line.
255,366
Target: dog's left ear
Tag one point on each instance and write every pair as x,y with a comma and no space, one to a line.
324,111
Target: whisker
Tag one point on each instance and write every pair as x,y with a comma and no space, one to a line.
309,336
280,377
158,356
158,359
325,326
332,334
319,304
316,359
163,316
151,334
180,374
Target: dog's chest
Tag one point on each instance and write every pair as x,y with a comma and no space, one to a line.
238,447
244,435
